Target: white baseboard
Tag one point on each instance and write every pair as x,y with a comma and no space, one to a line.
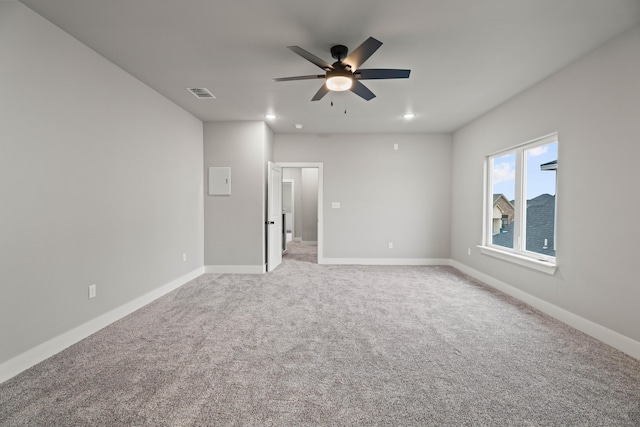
236,269
297,239
43,351
31,357
384,261
599,332
309,242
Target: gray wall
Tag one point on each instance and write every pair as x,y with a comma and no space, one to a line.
100,182
234,225
401,196
287,196
594,104
309,205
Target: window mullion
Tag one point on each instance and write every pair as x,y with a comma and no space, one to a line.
489,206
520,203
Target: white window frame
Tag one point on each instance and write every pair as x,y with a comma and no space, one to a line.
518,254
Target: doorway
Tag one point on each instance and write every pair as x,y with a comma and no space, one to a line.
306,180
289,208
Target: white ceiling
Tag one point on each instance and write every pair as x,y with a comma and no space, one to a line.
466,56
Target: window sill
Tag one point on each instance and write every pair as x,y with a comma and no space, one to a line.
543,266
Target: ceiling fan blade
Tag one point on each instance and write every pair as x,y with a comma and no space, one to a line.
310,77
381,73
320,93
362,53
311,58
362,91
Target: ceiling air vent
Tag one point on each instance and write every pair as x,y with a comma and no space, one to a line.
201,92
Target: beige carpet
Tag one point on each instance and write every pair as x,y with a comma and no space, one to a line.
315,345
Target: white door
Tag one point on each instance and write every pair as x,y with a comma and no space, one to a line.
274,217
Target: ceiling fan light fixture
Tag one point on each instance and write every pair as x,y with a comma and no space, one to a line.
339,83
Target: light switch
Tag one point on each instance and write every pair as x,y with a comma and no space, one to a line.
335,205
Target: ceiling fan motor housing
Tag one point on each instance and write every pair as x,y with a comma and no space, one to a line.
339,71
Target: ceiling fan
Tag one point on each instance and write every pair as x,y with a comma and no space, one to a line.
345,74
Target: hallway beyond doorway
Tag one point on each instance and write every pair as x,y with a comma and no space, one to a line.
299,251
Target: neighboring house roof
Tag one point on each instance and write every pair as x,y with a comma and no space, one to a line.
540,226
498,196
549,166
541,200
541,215
505,237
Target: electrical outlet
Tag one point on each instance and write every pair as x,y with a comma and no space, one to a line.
468,251
92,291
390,245
184,257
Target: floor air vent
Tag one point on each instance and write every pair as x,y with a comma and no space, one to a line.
201,93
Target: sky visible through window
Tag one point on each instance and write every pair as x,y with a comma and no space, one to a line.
538,181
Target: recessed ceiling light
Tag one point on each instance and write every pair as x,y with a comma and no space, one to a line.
270,116
409,116
298,125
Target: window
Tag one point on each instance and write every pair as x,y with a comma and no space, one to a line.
521,204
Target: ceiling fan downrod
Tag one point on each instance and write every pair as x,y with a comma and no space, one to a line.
339,52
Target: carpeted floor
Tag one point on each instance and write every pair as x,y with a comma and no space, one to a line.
317,345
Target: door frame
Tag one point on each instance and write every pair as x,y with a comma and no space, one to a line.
319,166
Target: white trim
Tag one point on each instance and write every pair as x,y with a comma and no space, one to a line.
297,239
540,265
37,354
236,269
309,242
385,261
599,332
31,357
